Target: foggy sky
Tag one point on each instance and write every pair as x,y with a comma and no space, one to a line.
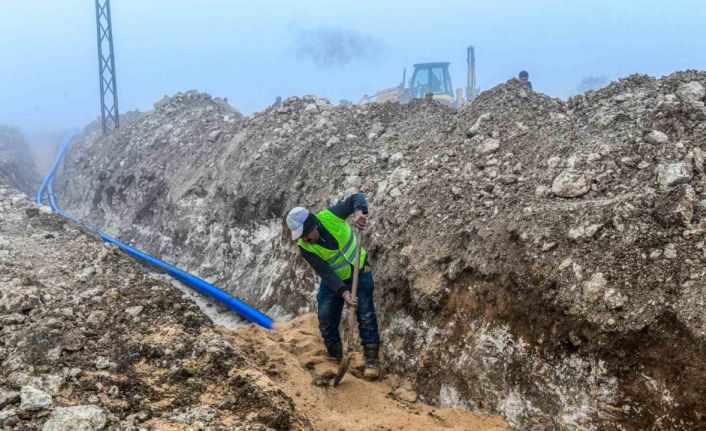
251,52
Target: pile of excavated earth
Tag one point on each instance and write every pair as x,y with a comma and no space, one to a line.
534,258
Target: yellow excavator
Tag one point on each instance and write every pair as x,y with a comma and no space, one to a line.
432,80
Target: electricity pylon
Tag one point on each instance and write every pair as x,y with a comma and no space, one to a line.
110,118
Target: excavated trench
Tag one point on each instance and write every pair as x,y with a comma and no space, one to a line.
536,258
90,339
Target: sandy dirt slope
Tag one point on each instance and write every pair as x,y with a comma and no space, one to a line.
294,358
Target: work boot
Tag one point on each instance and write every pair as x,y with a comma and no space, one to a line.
372,363
335,351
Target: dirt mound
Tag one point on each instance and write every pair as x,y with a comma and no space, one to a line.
538,258
17,168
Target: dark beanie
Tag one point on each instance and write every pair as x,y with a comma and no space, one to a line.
309,224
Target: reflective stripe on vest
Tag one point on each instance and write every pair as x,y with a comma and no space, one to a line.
347,252
340,260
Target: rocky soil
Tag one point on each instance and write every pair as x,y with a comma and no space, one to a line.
90,340
17,167
537,258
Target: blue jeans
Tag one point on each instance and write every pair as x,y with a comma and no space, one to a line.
330,306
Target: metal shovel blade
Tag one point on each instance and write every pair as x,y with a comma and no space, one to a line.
342,370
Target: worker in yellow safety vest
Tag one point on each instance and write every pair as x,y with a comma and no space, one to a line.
327,243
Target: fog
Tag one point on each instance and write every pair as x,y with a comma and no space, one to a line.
252,52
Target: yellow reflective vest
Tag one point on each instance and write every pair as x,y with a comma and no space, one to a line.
339,260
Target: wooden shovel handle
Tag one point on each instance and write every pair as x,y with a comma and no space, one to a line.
356,262
350,316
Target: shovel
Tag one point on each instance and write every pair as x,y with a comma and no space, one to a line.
346,360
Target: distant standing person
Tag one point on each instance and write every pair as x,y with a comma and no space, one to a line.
524,77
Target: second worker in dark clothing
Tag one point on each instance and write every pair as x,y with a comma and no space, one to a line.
524,77
327,243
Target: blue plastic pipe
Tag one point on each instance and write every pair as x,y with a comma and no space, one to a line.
55,164
249,313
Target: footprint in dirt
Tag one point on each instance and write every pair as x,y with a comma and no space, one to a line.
312,356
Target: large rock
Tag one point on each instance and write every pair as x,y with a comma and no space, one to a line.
655,137
76,418
671,174
676,206
595,288
489,145
585,232
33,399
571,183
18,301
12,319
696,156
691,92
8,397
7,413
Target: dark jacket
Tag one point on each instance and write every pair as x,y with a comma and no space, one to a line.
343,209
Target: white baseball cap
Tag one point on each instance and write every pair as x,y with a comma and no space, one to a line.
295,221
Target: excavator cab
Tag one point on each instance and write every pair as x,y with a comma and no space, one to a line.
431,78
